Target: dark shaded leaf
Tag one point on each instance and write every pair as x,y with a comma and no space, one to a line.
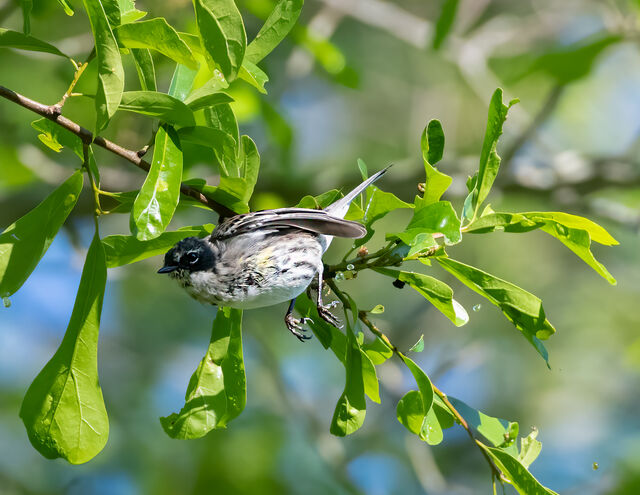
444,22
23,243
63,409
14,39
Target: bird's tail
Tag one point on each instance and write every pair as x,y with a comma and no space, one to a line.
339,208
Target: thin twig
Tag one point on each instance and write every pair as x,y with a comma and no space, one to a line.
87,137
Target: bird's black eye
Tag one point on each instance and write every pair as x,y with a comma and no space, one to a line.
191,257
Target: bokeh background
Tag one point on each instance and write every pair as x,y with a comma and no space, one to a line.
363,87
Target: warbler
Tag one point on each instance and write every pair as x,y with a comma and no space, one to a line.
264,258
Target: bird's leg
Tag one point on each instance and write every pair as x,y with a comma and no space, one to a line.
323,311
294,325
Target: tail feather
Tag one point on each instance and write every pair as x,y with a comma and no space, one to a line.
339,208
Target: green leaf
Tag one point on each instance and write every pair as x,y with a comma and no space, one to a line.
516,474
489,159
432,144
276,27
433,218
63,409
110,71
249,165
125,249
112,10
530,448
221,117
501,433
27,7
24,242
14,39
435,291
155,204
216,393
156,34
145,68
254,75
522,308
209,89
209,100
444,22
418,346
328,335
425,391
160,105
573,231
57,137
182,82
68,9
377,351
220,142
351,407
128,11
222,34
377,309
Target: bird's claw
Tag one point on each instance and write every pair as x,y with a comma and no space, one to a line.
326,315
294,325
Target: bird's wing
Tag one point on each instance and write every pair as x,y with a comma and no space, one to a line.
317,221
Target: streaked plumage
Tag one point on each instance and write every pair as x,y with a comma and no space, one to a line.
263,258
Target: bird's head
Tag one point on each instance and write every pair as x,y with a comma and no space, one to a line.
189,255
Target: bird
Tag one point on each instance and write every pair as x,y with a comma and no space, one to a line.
265,257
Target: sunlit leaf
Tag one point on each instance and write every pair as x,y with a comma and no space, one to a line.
110,71
156,34
275,28
432,218
254,75
530,448
432,144
377,351
418,346
522,308
222,34
489,159
68,9
63,409
24,242
155,204
14,39
159,105
573,231
501,433
516,474
128,11
209,100
217,390
124,249
182,82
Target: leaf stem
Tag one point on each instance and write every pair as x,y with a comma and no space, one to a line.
87,137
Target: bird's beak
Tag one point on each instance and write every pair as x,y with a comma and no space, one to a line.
167,269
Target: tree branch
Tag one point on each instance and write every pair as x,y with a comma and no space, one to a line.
51,112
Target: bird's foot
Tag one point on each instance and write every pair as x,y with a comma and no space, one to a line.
326,315
294,325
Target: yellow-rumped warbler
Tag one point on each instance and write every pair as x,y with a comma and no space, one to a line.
264,258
